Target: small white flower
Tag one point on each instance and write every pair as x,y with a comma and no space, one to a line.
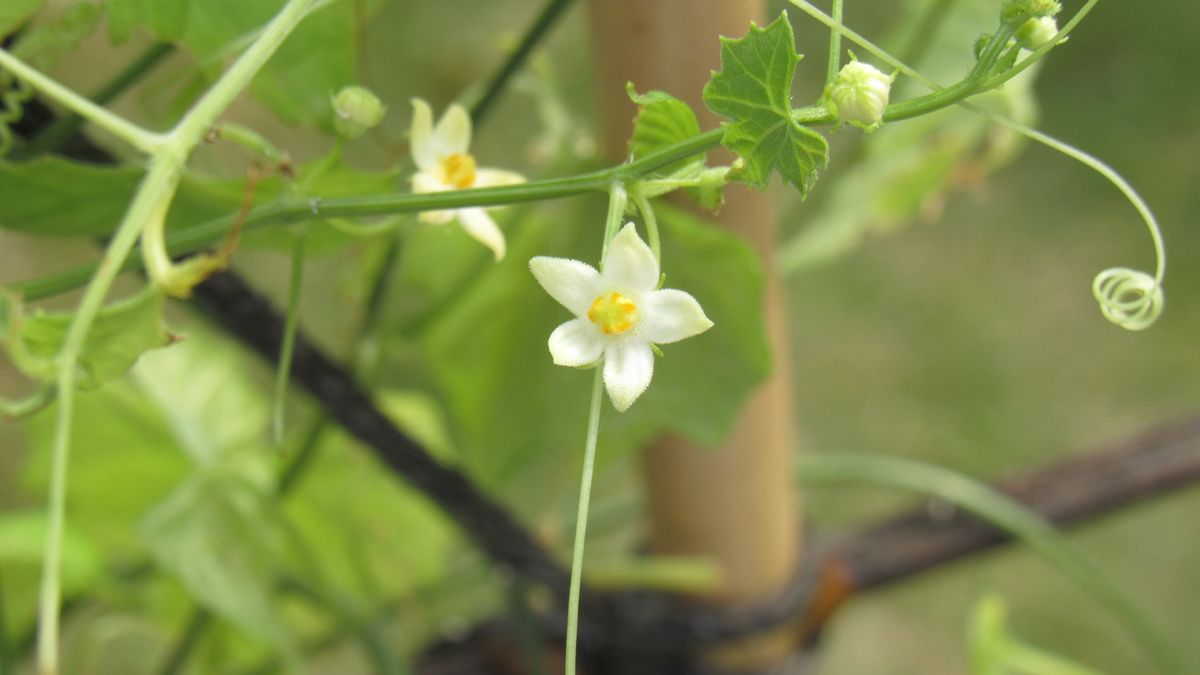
443,163
619,314
859,95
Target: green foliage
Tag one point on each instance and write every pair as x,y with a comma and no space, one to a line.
58,197
13,13
512,406
47,41
123,331
662,121
753,90
22,536
318,58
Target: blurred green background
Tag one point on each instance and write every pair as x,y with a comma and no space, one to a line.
963,334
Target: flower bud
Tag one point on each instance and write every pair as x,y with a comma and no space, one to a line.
1037,31
859,95
356,110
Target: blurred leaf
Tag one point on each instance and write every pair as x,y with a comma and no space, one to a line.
207,399
754,91
662,120
58,197
317,59
219,532
420,416
122,463
216,533
121,333
13,13
23,536
512,406
45,43
372,531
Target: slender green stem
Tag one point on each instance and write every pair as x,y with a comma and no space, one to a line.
1144,304
146,141
158,186
289,211
161,173
835,46
291,324
585,497
617,198
541,26
1005,514
66,126
651,222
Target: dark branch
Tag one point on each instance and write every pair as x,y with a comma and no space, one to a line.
1153,463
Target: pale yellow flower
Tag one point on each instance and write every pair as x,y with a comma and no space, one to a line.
444,163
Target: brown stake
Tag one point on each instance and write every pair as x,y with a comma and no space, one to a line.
735,503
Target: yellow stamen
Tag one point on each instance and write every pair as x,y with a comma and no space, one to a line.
459,170
613,313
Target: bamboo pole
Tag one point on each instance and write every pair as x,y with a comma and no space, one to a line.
735,503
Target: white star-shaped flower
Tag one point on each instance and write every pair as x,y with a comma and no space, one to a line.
619,314
443,163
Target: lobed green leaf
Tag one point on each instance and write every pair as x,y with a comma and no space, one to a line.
753,91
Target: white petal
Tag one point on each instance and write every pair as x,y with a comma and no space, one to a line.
420,136
628,367
497,177
453,133
576,343
670,316
424,181
573,284
629,264
436,217
480,225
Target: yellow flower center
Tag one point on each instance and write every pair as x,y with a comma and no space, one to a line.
459,170
613,313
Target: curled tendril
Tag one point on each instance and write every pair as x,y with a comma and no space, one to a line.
1131,299
14,94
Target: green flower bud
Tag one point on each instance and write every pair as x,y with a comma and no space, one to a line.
355,111
859,95
1037,31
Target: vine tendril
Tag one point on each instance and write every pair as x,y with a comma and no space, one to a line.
14,94
1129,298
